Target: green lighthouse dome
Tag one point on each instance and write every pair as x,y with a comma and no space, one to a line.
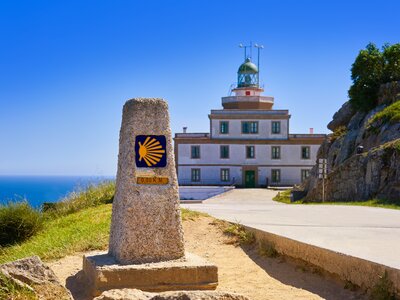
248,67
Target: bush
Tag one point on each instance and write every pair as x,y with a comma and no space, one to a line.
18,222
383,289
390,114
93,195
370,69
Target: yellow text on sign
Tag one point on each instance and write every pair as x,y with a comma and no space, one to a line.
152,180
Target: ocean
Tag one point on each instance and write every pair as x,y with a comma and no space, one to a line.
39,189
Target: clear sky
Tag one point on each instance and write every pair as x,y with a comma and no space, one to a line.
67,67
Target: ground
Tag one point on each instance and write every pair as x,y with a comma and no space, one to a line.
241,269
364,232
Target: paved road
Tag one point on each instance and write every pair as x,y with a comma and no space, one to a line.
365,232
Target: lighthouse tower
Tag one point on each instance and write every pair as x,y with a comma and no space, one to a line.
247,93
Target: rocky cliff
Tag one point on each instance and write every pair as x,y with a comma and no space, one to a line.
363,153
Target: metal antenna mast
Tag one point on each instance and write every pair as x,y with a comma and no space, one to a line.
245,49
259,47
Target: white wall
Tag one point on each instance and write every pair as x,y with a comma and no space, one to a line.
210,175
210,154
235,129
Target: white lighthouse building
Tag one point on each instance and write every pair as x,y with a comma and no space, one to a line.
248,145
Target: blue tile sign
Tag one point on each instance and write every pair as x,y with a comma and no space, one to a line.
151,151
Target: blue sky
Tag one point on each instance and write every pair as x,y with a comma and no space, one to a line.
67,67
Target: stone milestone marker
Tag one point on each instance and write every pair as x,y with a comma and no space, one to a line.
146,224
146,249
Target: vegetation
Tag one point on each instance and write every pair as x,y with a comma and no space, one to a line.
93,195
18,222
238,231
9,290
391,115
372,68
188,214
85,230
383,290
338,133
284,197
267,249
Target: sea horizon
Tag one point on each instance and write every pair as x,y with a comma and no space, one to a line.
37,189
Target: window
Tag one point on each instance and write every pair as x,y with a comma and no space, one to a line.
250,153
223,127
225,175
276,152
196,175
276,175
276,127
305,174
224,151
305,152
195,152
249,127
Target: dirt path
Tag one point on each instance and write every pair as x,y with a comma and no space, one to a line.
240,270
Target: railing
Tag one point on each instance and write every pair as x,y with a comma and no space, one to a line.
192,135
306,135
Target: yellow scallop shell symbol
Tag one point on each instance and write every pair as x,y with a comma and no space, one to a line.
151,151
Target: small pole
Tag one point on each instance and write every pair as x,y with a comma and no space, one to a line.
323,186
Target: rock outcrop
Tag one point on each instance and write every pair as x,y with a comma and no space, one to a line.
31,273
134,294
371,172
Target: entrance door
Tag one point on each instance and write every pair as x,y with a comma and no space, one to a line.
250,179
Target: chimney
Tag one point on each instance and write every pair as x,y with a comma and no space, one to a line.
184,129
311,130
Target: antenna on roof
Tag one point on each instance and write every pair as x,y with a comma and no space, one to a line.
245,49
258,59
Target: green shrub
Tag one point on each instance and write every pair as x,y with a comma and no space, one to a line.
266,248
18,222
383,289
239,231
390,114
338,133
93,195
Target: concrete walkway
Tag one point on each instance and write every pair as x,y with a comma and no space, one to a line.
365,232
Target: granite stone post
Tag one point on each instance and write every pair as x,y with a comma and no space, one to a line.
146,249
146,224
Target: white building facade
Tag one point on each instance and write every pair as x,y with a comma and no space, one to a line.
249,144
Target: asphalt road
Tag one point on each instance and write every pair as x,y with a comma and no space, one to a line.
365,232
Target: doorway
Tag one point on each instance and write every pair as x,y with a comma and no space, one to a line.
249,179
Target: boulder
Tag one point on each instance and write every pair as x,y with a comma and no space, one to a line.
134,294
341,117
30,272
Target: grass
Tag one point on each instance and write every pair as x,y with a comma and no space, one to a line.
338,133
238,231
390,114
93,195
9,290
284,197
85,230
18,222
188,214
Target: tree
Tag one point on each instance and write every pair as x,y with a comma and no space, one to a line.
367,74
391,55
372,68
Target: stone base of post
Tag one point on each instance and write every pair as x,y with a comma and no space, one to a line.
189,273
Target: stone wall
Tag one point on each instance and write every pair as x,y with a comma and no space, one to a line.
373,174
